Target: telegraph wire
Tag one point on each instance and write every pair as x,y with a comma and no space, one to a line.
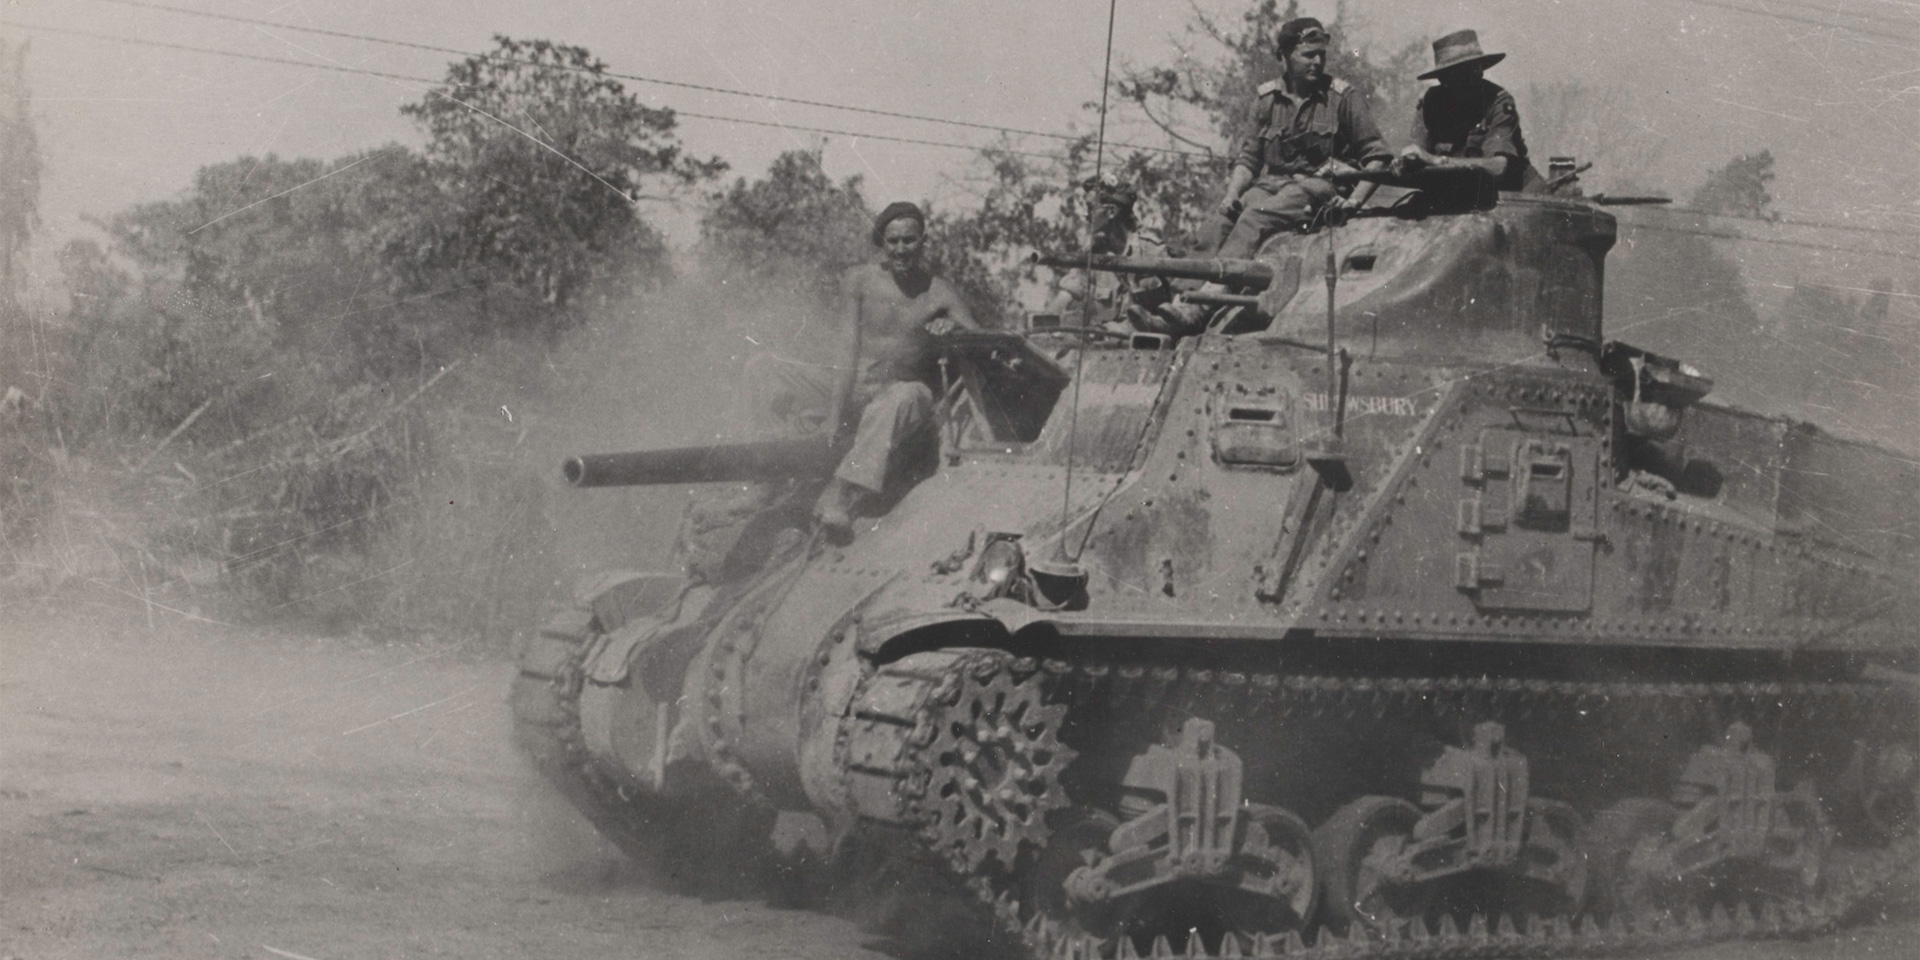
1893,21
1909,39
385,75
144,4
1788,221
973,148
729,91
1719,235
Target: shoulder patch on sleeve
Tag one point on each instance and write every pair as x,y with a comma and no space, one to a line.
1339,86
1270,87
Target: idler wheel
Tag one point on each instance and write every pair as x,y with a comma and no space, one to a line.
997,759
1354,848
1619,841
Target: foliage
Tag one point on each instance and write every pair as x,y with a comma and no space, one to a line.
1678,293
270,329
19,218
1738,189
1197,106
19,167
1594,124
1848,361
796,227
536,161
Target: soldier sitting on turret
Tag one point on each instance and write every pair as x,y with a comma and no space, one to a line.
1122,302
879,386
1468,121
1307,127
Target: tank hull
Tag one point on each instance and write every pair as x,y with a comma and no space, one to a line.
1563,642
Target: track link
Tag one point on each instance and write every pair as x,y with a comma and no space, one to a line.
704,838
886,753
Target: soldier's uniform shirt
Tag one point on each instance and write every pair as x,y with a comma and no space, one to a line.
1296,134
1474,120
1293,135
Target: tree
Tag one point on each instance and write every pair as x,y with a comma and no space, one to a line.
538,161
1196,105
19,167
1677,293
19,211
1739,189
1200,101
1597,124
796,227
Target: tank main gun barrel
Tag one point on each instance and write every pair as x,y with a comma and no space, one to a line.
1235,273
714,463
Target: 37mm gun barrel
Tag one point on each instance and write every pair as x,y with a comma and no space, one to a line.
715,463
1237,273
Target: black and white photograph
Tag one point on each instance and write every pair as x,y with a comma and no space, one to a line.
857,480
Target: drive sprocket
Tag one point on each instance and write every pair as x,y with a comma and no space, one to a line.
994,765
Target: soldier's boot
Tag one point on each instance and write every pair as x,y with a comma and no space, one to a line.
834,511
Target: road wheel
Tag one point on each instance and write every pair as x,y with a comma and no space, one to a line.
1555,834
1278,848
1617,884
1352,849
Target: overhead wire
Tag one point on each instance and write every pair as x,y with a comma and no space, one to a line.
1788,221
639,78
1720,235
952,145
1912,42
1888,19
387,75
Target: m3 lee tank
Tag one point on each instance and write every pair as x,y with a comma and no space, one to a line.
1402,615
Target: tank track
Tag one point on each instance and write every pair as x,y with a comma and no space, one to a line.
687,836
903,702
545,701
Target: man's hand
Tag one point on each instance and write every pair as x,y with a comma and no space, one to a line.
1333,169
942,325
1229,207
1411,158
1338,210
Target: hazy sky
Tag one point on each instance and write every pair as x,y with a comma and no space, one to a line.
123,123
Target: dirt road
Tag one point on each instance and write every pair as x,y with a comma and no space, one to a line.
194,790
173,788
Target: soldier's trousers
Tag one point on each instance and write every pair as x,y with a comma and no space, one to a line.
1271,205
794,398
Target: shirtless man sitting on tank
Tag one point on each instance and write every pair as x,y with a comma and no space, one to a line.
885,363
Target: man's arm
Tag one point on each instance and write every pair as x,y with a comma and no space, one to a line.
1499,147
1247,159
1237,183
1364,143
846,354
948,305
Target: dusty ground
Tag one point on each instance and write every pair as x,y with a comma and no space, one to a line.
173,788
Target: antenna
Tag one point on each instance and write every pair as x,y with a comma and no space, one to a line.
1086,293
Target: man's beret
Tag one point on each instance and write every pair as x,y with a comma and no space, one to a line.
896,210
